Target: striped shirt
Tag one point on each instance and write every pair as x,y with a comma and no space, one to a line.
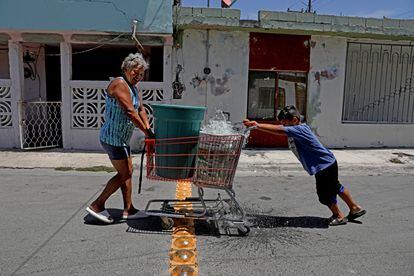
117,129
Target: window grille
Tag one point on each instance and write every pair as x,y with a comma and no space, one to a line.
88,102
5,106
379,83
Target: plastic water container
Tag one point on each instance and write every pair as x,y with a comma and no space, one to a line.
174,121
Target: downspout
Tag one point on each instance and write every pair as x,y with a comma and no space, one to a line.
206,69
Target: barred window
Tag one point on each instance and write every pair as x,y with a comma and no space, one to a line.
379,83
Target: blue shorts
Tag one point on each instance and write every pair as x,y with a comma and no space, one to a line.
116,153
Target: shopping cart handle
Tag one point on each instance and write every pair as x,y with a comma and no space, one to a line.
248,129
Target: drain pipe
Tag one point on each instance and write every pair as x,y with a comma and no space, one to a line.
207,70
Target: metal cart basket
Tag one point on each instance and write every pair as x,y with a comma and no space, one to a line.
212,164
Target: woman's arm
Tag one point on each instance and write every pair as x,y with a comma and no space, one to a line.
142,113
120,91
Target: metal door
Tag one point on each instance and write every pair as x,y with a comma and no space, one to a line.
40,124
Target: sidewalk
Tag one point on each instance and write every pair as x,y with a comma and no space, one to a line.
400,160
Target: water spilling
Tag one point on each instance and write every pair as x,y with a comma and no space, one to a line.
219,125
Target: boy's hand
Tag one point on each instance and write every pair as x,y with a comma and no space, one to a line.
249,123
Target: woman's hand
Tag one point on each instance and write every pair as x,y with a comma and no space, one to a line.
249,123
149,134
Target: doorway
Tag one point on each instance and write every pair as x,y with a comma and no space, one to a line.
40,121
279,66
268,93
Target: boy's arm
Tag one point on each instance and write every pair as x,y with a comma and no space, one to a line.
269,128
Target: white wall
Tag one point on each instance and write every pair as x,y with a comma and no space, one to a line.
225,88
325,100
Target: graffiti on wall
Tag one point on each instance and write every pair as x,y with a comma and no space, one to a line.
218,86
177,86
327,74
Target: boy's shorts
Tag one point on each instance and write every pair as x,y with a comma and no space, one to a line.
328,185
116,153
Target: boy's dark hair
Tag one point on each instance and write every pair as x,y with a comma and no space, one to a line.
288,113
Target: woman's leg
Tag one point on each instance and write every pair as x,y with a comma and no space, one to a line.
126,189
124,173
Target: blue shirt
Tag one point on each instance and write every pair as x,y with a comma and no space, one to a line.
307,148
117,129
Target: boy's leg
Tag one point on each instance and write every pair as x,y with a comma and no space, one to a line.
336,212
355,210
346,196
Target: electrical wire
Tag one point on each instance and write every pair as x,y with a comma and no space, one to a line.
87,50
404,13
326,3
294,4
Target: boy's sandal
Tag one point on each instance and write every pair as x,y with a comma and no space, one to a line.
337,222
356,215
330,219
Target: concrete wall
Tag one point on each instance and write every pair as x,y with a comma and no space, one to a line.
325,100
153,16
227,56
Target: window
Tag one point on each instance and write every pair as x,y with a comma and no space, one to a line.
266,97
291,90
379,83
261,95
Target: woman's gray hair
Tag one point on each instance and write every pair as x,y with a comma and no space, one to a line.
134,60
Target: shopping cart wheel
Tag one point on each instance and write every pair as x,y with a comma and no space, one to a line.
243,230
167,223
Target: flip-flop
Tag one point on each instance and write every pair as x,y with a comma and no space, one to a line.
356,215
330,219
103,216
137,215
337,222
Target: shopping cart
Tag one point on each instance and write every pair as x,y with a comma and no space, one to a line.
207,161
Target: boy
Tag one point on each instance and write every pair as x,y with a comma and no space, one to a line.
316,160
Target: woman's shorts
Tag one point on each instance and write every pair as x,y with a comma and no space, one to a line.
116,153
328,185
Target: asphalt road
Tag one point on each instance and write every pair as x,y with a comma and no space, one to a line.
45,229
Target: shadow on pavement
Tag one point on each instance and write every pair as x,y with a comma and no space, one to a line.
150,225
264,221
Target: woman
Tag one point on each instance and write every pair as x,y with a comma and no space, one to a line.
124,111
